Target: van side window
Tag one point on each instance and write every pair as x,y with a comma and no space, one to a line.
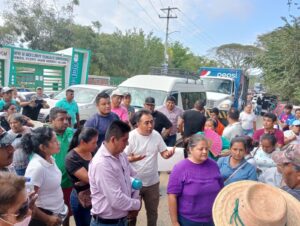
189,98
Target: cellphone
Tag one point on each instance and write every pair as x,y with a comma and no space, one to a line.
39,101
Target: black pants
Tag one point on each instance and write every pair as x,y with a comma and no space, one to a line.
37,222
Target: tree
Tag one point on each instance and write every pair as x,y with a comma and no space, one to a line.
280,60
182,57
234,55
39,24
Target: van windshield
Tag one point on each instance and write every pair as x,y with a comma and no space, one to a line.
138,95
217,85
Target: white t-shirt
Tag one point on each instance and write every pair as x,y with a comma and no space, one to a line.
232,131
290,133
247,120
263,160
271,176
150,146
47,177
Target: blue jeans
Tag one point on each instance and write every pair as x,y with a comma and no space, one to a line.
258,109
82,216
121,223
170,140
185,222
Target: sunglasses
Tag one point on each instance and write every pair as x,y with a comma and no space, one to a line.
21,213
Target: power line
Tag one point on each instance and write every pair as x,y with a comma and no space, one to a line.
151,3
148,14
162,6
134,13
196,34
172,3
196,26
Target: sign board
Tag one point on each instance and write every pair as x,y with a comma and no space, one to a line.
76,68
168,164
4,53
39,58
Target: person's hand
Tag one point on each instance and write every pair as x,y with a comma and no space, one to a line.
54,221
170,153
186,140
293,137
175,224
135,158
165,133
132,214
32,198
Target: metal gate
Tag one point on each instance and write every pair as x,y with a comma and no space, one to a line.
51,78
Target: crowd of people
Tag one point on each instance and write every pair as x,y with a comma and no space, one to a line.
51,172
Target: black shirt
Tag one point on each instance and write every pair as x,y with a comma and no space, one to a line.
194,122
73,163
33,112
4,123
160,121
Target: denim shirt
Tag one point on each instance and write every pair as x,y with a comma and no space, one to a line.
247,172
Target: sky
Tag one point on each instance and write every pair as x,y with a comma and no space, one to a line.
200,24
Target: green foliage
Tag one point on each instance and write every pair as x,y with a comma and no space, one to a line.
43,25
235,55
280,60
182,57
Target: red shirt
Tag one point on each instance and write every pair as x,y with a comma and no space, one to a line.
276,132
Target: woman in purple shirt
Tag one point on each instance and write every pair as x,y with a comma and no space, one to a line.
193,186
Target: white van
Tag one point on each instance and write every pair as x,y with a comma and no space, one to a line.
186,91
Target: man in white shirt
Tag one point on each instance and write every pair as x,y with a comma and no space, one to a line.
292,136
142,150
234,128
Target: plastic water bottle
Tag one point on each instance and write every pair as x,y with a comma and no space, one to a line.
136,183
29,186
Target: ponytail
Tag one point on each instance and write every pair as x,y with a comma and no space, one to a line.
31,142
75,142
85,134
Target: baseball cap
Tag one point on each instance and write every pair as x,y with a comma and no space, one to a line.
117,92
6,139
150,101
296,123
289,154
6,89
126,94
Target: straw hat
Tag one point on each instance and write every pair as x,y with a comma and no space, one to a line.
250,203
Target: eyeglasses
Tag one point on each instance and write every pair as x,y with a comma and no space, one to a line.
21,213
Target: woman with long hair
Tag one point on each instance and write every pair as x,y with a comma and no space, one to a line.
45,177
235,167
80,154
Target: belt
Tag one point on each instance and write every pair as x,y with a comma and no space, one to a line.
108,221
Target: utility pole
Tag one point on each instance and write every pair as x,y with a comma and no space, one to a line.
168,17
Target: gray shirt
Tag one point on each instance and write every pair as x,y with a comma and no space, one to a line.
233,130
294,192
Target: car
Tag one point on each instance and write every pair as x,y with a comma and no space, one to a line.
185,91
23,90
27,95
84,95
